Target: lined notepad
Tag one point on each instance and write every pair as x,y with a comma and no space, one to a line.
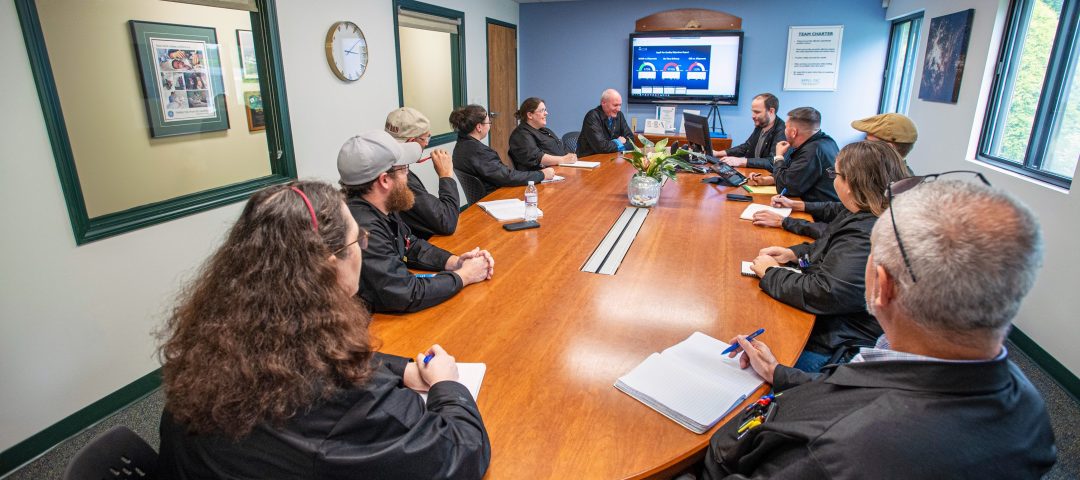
471,375
691,382
506,210
581,164
753,208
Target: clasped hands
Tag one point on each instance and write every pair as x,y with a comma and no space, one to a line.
473,266
771,257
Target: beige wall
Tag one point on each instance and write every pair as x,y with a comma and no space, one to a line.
100,87
75,321
425,75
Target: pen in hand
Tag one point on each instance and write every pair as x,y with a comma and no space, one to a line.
735,346
428,357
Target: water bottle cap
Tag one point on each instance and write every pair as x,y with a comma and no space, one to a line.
531,183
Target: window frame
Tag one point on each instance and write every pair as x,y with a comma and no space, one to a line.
907,71
278,133
457,53
1050,98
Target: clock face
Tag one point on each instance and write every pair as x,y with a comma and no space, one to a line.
346,51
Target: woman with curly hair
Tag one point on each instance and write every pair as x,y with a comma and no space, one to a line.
270,372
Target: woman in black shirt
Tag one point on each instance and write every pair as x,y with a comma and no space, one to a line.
532,145
473,157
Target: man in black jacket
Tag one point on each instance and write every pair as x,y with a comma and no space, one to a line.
802,171
757,151
604,129
372,166
430,215
937,396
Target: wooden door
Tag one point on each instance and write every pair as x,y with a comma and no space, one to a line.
502,83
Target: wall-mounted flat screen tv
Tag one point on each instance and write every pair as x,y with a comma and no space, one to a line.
685,66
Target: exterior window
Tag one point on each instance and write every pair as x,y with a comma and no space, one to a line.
431,73
900,64
1033,120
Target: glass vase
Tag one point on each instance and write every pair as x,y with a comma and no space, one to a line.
643,191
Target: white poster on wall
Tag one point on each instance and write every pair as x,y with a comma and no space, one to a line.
813,58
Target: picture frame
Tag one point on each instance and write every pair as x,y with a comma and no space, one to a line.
256,117
245,44
183,89
946,53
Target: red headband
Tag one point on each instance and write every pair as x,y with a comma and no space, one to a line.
310,209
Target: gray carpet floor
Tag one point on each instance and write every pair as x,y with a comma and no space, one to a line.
143,416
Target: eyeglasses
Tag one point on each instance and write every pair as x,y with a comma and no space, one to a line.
832,173
398,168
361,238
901,186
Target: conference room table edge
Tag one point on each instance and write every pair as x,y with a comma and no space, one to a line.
676,464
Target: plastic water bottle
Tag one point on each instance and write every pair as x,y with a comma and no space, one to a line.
532,209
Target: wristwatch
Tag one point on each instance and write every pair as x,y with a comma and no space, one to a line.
778,159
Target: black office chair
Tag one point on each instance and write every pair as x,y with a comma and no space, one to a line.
117,453
474,188
570,140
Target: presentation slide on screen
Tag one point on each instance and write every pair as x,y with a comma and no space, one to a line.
702,66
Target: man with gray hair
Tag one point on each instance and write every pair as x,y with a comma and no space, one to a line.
604,129
937,396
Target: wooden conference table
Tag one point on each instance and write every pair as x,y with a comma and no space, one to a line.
555,338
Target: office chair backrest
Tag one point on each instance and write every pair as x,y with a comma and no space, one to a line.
474,188
117,453
570,140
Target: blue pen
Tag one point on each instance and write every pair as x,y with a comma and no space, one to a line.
428,357
783,192
425,275
749,338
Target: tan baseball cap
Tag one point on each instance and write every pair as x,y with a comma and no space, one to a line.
891,127
407,122
363,157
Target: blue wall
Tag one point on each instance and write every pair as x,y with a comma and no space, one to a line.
571,51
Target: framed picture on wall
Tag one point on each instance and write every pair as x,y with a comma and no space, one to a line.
181,77
249,66
946,52
255,116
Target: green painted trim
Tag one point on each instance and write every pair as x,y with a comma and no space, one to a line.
279,136
457,57
1060,373
37,445
501,23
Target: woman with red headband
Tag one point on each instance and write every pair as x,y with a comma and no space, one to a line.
270,371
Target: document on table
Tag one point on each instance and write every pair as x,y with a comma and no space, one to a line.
581,164
471,375
507,210
762,189
753,208
748,272
691,382
556,178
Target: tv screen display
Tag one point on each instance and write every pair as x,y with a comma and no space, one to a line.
693,66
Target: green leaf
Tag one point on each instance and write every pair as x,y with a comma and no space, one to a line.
644,141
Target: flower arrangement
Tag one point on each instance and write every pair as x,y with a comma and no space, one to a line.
655,160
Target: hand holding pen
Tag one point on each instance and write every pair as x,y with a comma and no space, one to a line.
436,365
756,354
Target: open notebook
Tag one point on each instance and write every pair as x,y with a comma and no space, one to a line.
691,382
507,210
471,375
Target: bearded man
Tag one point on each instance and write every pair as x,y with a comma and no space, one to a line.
374,176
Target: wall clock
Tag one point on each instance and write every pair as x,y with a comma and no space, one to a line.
346,51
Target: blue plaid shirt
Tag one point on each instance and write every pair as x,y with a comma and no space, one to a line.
881,352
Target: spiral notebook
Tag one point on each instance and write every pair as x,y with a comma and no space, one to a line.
691,382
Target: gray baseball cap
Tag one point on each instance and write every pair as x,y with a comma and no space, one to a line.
363,157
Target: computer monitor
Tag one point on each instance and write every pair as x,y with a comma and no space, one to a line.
697,132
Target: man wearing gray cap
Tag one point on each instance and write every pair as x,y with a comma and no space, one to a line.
373,169
430,215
